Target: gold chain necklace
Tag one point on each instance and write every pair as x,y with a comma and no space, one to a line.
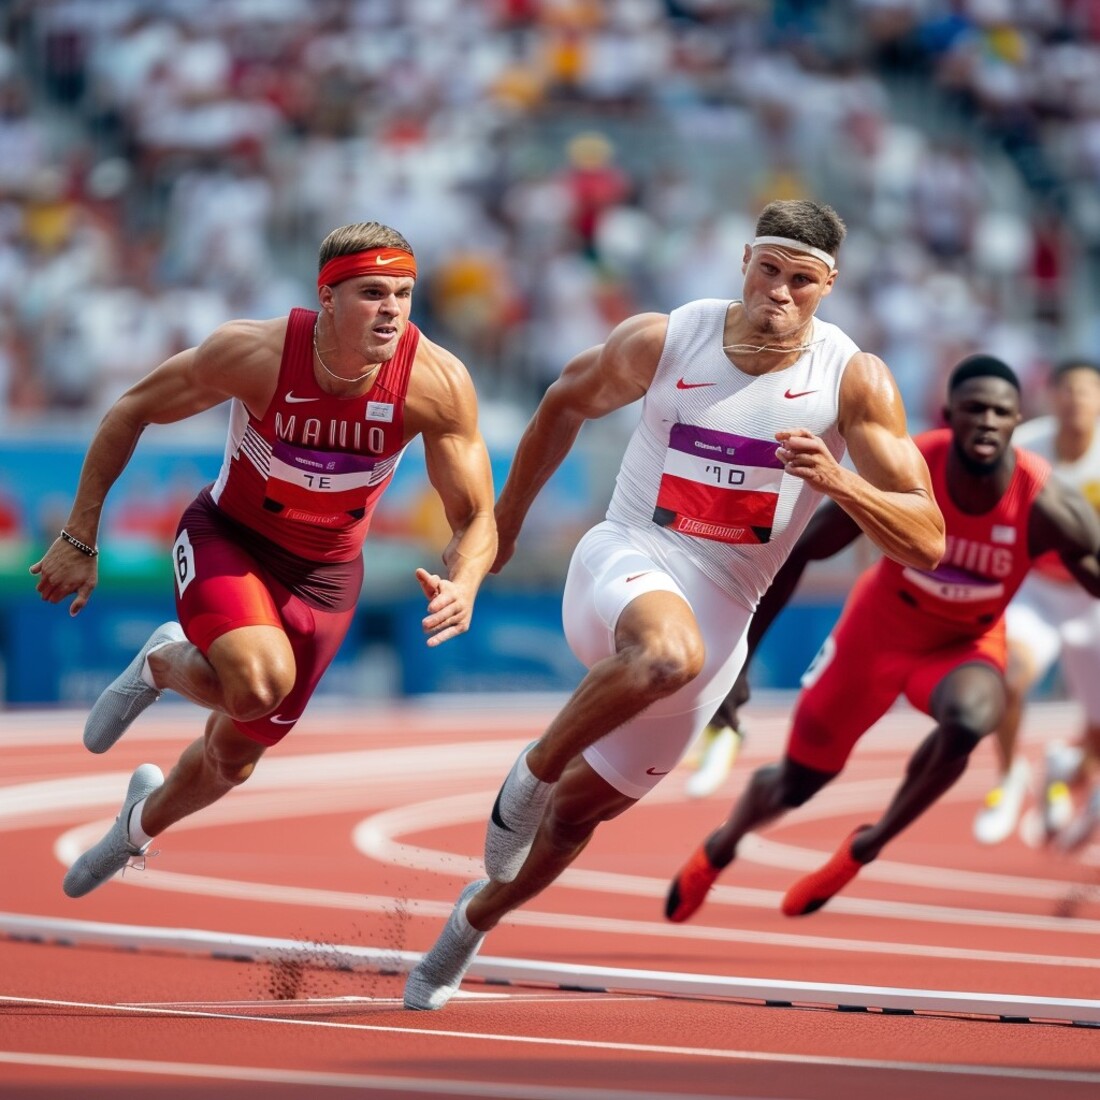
339,377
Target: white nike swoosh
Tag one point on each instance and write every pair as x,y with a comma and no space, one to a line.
385,263
291,399
284,721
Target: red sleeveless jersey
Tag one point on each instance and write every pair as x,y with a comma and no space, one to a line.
987,555
309,474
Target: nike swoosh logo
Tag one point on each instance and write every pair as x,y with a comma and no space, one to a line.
385,263
654,771
644,573
803,393
279,721
497,820
292,400
682,385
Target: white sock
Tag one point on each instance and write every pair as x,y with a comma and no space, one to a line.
146,671
138,837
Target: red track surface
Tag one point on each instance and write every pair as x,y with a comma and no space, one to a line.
362,828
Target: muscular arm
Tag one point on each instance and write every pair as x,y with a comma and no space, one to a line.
227,364
1063,521
459,470
593,384
889,495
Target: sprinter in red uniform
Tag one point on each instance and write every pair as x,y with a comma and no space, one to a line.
268,560
935,636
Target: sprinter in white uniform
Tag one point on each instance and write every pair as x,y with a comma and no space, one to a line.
748,406
1050,617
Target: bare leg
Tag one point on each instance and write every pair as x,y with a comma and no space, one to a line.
658,651
249,672
771,792
968,703
207,769
1019,678
581,800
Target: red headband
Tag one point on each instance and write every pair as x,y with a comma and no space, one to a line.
378,261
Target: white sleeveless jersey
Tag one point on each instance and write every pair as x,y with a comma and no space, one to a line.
700,473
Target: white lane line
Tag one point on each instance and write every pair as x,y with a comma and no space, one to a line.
388,1086
198,942
938,1069
376,836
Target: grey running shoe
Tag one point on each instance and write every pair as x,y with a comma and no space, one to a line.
114,851
1083,827
434,981
127,697
515,818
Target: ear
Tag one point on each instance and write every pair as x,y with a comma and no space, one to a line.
745,257
829,280
324,298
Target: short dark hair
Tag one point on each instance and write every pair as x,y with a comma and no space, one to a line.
803,220
1060,370
359,238
981,366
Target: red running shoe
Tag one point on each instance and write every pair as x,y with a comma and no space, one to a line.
812,891
690,887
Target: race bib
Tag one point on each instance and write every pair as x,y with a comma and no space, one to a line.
321,485
719,486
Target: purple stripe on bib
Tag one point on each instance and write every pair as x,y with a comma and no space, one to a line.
322,462
737,449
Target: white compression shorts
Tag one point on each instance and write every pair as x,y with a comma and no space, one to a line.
1052,619
609,569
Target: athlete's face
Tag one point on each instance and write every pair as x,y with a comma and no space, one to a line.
982,413
370,314
782,288
1075,399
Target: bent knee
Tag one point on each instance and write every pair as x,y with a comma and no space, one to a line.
258,691
661,671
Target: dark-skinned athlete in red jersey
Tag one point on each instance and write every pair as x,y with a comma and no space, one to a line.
935,636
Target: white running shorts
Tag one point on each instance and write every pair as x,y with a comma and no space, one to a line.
611,567
1052,619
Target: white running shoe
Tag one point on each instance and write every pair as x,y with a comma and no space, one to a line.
998,817
514,820
436,978
114,852
114,711
719,754
1083,827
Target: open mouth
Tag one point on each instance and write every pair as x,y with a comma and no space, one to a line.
985,447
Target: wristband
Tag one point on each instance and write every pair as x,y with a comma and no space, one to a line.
83,547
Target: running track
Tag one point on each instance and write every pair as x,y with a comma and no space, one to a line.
355,836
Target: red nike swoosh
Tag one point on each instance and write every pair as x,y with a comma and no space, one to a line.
654,771
682,385
802,394
644,573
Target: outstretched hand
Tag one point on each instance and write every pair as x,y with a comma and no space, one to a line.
61,571
449,608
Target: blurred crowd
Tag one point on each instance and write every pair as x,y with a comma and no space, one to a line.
557,165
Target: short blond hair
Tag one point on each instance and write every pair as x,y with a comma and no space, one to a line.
359,237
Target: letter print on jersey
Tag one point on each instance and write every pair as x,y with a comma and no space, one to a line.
954,585
719,486
313,485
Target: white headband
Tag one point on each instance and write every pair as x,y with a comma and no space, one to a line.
798,246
